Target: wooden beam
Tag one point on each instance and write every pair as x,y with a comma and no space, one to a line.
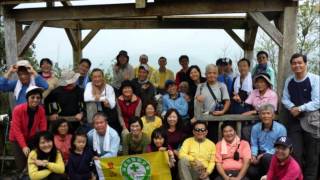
288,26
154,9
72,37
66,3
235,37
88,38
249,41
10,2
19,31
151,24
50,4
140,4
267,26
29,36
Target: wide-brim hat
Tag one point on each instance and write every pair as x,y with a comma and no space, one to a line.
34,90
68,77
264,76
310,122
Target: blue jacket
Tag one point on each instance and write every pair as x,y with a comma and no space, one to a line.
7,85
180,104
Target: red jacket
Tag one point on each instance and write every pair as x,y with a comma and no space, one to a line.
19,126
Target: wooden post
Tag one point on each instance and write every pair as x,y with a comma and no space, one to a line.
75,38
288,27
10,38
77,52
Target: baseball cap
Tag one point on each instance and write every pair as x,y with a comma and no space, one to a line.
284,141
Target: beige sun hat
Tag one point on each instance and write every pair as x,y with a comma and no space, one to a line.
24,63
68,77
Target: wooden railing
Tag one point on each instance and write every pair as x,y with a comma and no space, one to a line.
230,117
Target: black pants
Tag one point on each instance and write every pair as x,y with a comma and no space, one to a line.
306,149
256,171
231,174
19,157
213,128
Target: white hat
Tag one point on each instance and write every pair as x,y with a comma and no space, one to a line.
24,63
31,89
68,77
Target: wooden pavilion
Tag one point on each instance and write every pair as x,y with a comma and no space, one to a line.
276,17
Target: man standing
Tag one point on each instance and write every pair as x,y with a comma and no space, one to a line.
182,74
197,155
160,76
301,98
264,67
143,59
143,87
83,69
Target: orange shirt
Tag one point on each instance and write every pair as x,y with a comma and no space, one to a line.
227,161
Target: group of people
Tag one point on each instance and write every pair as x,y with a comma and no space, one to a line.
61,127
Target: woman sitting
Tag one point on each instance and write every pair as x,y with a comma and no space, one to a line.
45,161
136,141
62,138
263,94
128,105
232,154
150,120
283,166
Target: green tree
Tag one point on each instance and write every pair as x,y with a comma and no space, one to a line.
308,41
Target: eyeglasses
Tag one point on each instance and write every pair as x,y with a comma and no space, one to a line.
200,129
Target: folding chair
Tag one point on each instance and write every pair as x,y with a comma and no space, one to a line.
5,120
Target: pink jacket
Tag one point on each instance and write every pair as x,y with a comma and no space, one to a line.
290,170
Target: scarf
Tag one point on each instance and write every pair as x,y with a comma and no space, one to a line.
19,85
224,148
96,142
246,84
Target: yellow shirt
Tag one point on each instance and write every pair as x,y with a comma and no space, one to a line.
158,79
148,127
53,167
151,70
203,152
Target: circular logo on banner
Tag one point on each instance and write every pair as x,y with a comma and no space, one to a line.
135,168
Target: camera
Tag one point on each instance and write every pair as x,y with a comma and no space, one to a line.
218,107
4,117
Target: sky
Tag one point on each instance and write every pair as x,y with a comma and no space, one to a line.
203,46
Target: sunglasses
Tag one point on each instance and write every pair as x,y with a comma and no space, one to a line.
200,129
